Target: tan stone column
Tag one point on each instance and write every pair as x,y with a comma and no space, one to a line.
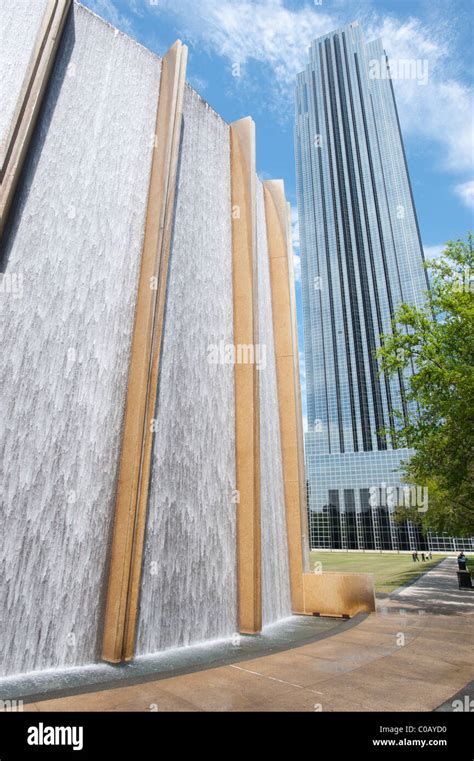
13,152
247,405
289,395
134,469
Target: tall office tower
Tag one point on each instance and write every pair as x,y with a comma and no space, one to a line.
361,257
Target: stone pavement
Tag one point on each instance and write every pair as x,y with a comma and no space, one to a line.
437,592
414,654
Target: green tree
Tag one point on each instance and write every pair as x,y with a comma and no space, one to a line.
434,347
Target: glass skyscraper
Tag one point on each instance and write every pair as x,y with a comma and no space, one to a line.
361,256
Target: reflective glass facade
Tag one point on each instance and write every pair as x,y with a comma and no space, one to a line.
361,256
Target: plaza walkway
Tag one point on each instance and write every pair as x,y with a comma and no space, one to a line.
414,654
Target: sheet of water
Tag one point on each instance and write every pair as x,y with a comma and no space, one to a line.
18,35
71,258
189,585
276,599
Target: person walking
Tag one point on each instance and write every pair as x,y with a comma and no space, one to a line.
423,556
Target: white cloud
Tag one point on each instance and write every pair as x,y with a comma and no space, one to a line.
107,9
295,240
302,369
433,252
465,191
297,267
440,110
270,41
295,230
199,83
277,37
244,32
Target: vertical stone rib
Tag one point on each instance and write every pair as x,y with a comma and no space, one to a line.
134,470
14,152
289,394
247,413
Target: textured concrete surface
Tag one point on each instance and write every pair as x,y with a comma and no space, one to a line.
414,654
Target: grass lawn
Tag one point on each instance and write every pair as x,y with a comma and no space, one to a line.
390,571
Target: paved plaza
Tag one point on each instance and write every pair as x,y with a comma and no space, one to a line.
414,654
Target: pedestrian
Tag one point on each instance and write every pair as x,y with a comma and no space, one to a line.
423,556
413,556
462,561
416,556
430,555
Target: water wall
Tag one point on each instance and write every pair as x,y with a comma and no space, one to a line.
276,599
18,34
71,276
189,573
75,238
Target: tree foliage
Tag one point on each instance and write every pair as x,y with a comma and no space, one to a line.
433,347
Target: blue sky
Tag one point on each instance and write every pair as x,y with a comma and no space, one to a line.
244,56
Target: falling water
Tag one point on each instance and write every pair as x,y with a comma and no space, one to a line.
18,35
276,600
65,333
189,571
73,251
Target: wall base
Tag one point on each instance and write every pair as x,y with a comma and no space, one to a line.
338,594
